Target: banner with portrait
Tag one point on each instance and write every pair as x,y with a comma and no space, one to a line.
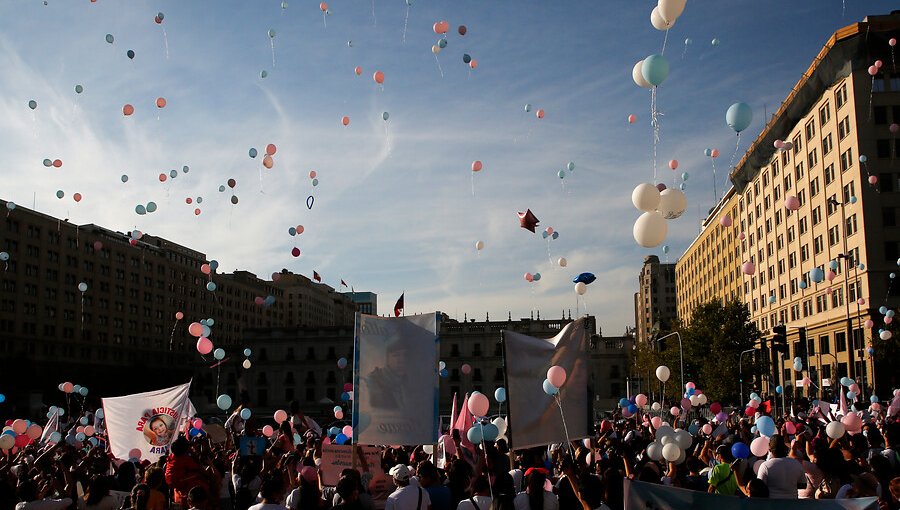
534,416
395,372
144,425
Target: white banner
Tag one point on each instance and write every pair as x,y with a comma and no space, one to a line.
146,422
534,417
647,496
395,371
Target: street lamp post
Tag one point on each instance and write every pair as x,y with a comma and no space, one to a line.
741,373
851,364
680,353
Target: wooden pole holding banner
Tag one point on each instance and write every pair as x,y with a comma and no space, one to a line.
511,453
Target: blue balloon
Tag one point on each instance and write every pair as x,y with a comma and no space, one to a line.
766,426
210,322
623,402
490,432
333,431
219,353
802,284
707,152
585,278
499,395
561,174
740,450
555,235
833,265
817,275
693,429
292,231
853,199
873,399
246,413
772,299
442,43
140,209
80,436
341,438
665,248
475,434
466,58
632,408
345,396
863,158
890,313
211,286
550,389
194,432
544,234
851,395
253,152
224,402
444,372
214,264
691,391
2,398
151,207
739,116
655,69
247,352
778,389
684,176
55,437
536,276
342,363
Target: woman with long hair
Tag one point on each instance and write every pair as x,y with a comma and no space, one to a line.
535,497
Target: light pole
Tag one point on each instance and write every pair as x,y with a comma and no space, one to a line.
851,364
680,353
741,373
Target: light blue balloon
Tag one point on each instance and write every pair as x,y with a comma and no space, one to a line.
110,38
754,396
442,43
846,381
315,182
853,199
766,426
60,193
247,352
83,391
851,395
772,298
4,256
527,107
536,276
883,310
571,166
500,394
475,434
739,116
253,152
206,331
263,74
185,169
655,69
337,408
211,286
173,173
80,436
873,399
715,42
682,186
199,200
441,365
342,363
385,115
890,313
707,152
221,188
863,158
561,174
140,209
12,206
550,389
892,276
224,402
219,353
665,248
210,322
490,432
99,413
271,33
688,41
778,389
862,267
83,420
55,437
802,284
83,287
245,414
816,275
151,207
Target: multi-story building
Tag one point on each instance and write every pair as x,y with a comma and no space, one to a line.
120,335
301,363
655,303
837,172
366,302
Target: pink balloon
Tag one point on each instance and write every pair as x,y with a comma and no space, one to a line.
673,164
327,440
557,376
529,277
312,174
300,229
892,42
873,180
878,64
339,415
894,128
887,320
476,166
760,446
347,430
268,431
204,345
205,269
135,453
179,316
195,329
715,153
754,404
748,268
79,428
688,385
706,429
632,118
726,221
791,203
465,368
197,423
68,387
478,404
790,428
830,275
742,236
259,300
34,431
88,431
861,301
685,403
873,70
20,426
280,416
852,423
675,411
871,324
656,421
640,400
549,230
779,144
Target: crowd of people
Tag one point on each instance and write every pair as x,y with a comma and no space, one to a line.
203,473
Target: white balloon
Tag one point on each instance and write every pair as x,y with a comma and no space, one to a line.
672,203
683,438
664,440
655,406
563,262
580,288
835,430
650,229
681,457
658,21
671,452
665,431
702,399
654,451
669,10
663,373
645,197
500,423
638,77
695,400
479,245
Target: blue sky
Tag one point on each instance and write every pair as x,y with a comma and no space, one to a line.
394,209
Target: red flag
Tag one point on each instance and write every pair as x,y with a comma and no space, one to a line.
316,277
343,283
398,306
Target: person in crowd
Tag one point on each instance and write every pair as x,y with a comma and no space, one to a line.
272,492
481,496
722,479
406,497
783,475
536,495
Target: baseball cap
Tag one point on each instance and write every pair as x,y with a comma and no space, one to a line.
400,473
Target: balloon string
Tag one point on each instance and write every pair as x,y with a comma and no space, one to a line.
731,163
272,44
439,65
665,40
871,89
549,257
472,175
375,20
565,427
715,183
324,22
166,41
683,53
405,23
654,121
172,338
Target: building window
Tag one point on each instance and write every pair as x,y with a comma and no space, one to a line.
818,245
829,174
843,128
883,149
814,187
824,114
817,215
849,191
850,226
824,345
840,341
831,206
798,144
840,96
804,253
804,225
821,303
837,297
888,218
810,130
834,235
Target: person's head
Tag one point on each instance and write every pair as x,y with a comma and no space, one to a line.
427,473
723,454
272,489
396,356
535,478
309,476
197,497
777,446
158,426
566,465
27,491
140,495
286,429
481,486
180,446
864,485
400,474
757,488
97,490
894,487
348,489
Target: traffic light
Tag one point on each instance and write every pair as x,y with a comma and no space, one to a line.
779,341
804,351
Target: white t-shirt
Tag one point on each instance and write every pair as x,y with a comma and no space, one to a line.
405,498
45,504
267,506
783,476
550,502
481,503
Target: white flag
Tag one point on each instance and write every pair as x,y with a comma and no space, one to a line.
146,423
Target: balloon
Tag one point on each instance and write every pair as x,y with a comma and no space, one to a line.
345,120
632,118
835,430
204,345
536,277
585,278
791,203
378,77
268,162
766,426
740,450
540,113
462,30
885,335
549,389
739,116
476,166
655,451
323,6
645,197
650,229
57,163
638,78
658,22
500,394
529,277
465,368
674,411
671,9
662,373
479,245
224,402
580,288
32,104
527,108
655,69
556,375
816,275
475,434
130,54
79,89
760,446
160,102
218,354
478,404
726,221
672,203
671,452
110,38
528,220
211,286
